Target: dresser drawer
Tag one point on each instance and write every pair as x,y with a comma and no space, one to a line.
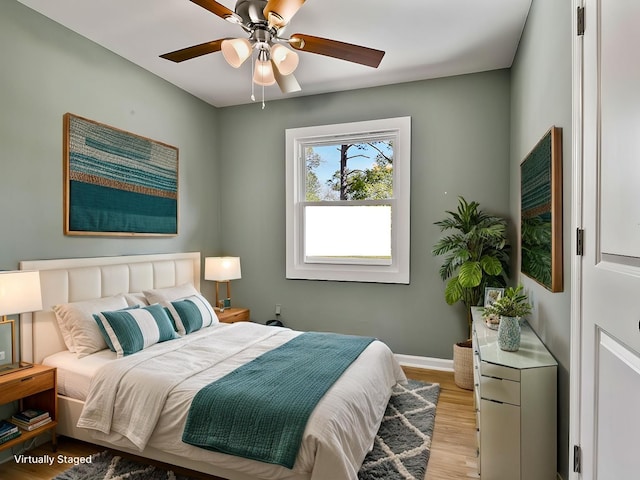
26,386
492,370
505,391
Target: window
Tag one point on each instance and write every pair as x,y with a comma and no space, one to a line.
348,190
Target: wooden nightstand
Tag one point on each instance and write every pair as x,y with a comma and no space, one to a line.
234,314
34,387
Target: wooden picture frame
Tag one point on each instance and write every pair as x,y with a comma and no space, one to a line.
541,212
117,183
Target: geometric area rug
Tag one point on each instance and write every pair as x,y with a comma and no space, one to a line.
403,443
401,449
107,466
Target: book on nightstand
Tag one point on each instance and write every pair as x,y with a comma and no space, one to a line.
31,416
31,426
8,431
10,436
31,419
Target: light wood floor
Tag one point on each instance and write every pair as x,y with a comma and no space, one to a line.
454,445
453,448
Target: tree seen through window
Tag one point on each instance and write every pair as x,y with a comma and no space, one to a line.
350,171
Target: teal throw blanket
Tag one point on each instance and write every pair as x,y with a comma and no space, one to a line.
260,410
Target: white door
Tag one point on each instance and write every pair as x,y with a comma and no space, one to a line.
609,370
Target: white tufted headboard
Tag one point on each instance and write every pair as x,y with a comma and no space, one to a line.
77,279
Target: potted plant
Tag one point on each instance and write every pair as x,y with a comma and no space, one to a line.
511,307
513,303
476,256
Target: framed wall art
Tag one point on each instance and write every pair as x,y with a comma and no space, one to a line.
117,183
541,212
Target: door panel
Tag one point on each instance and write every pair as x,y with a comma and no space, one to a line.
618,391
620,126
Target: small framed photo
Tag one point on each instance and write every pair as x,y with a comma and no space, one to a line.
491,294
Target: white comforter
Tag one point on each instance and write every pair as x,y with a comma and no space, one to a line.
143,399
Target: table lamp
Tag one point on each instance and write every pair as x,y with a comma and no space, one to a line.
19,293
222,269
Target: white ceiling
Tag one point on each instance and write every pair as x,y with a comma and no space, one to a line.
422,39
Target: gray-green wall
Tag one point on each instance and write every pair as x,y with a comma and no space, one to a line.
541,98
460,146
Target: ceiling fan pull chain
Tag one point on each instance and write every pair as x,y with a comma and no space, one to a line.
262,97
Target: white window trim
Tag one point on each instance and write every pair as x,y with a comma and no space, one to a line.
398,270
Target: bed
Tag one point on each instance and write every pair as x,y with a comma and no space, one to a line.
339,432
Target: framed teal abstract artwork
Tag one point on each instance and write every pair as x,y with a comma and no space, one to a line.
117,183
541,212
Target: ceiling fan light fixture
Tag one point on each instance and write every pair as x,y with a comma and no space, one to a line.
286,60
236,51
263,73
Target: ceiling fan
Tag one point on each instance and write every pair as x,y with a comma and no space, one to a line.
264,22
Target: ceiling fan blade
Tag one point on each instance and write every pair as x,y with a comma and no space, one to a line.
332,48
281,11
215,8
287,83
194,51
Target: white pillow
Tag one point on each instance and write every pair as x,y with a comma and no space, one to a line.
62,326
136,299
169,294
79,330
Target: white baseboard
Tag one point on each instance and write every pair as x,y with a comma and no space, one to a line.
424,362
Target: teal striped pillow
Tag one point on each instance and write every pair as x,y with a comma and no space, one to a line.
133,330
103,332
192,313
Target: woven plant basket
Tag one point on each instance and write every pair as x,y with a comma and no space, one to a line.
463,365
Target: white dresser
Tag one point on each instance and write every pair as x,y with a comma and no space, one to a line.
515,397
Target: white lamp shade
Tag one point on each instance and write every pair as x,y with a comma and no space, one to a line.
20,292
286,60
263,74
222,269
236,51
